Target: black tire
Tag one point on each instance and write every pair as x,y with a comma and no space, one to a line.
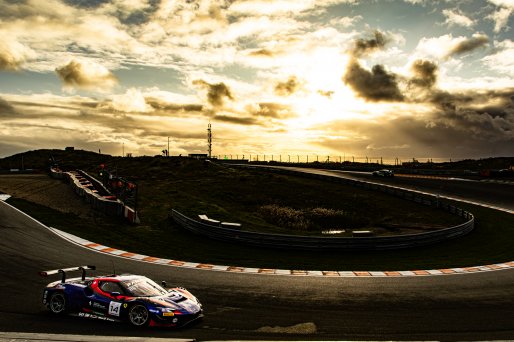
138,315
57,303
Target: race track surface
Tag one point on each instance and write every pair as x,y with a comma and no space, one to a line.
245,306
499,195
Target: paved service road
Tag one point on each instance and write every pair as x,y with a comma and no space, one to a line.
246,306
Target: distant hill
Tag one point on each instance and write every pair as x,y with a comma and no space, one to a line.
42,159
87,160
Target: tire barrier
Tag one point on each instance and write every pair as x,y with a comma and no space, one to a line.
284,241
95,193
88,188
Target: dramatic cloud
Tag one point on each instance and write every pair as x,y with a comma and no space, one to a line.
502,14
488,116
86,75
262,53
6,109
372,85
457,18
182,63
236,119
280,7
288,87
424,73
165,106
468,45
502,60
216,93
365,46
13,55
447,46
272,110
472,123
132,101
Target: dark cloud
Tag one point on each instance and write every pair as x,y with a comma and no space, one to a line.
434,136
262,53
374,85
7,62
146,132
236,119
90,76
273,110
71,106
6,109
425,73
216,93
326,93
288,87
365,46
86,3
488,115
172,107
469,45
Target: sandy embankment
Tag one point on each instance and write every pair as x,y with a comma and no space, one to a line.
41,189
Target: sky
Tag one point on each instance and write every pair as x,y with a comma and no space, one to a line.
392,78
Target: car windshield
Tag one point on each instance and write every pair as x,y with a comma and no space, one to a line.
143,287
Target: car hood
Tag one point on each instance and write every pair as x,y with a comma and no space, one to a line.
179,299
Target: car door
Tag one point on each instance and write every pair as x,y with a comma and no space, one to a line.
105,300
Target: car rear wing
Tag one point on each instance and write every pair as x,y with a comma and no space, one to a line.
70,269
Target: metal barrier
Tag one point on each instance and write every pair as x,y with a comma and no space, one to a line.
337,243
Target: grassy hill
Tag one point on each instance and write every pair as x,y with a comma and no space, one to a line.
201,187
260,201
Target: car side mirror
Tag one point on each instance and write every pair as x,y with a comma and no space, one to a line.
163,283
115,294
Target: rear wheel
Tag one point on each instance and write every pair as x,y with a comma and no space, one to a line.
57,303
138,315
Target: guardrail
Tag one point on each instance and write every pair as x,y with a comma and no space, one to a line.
338,243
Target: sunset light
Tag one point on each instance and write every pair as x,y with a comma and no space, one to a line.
401,78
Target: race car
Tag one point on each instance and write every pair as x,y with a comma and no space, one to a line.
133,298
383,173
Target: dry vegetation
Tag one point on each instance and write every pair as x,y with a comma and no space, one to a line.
41,189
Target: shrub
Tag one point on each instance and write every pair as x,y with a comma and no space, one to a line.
315,219
285,217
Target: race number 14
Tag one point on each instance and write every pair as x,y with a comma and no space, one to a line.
114,308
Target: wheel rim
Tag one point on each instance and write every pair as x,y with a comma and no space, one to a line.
57,304
138,315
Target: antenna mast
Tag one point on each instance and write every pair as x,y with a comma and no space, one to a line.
209,140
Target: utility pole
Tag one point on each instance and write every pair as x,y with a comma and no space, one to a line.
168,150
122,149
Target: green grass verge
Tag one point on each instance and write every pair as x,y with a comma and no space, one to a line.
490,242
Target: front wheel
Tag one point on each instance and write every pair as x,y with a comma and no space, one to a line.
138,315
57,303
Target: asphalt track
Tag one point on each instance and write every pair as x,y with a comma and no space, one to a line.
489,194
477,306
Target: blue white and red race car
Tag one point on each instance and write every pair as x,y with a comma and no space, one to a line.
133,298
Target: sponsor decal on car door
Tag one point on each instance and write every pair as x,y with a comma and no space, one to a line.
114,308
